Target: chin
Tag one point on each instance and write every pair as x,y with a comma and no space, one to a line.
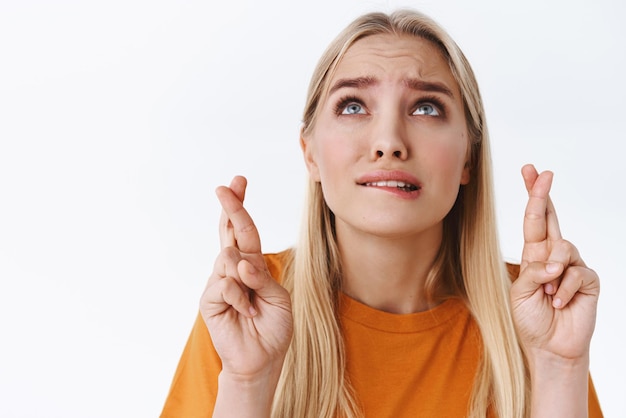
396,228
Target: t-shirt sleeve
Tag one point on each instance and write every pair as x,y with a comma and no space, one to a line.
194,386
594,404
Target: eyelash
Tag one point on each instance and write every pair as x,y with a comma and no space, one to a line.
346,100
433,101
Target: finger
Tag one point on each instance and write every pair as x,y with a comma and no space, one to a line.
575,280
238,186
226,265
535,226
535,275
565,253
529,174
253,277
260,281
245,233
222,295
540,221
227,236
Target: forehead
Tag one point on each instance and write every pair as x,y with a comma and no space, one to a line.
389,56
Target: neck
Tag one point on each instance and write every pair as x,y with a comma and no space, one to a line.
388,274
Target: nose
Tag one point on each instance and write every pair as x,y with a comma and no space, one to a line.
397,154
390,140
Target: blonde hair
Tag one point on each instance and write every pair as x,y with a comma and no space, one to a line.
468,265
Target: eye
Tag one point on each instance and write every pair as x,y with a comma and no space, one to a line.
353,108
350,105
426,109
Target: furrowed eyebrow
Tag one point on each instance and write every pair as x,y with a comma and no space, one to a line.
429,86
412,83
359,82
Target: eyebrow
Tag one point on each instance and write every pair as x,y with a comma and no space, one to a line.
430,86
358,82
412,83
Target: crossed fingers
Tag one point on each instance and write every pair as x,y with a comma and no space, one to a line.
540,220
237,228
554,262
239,268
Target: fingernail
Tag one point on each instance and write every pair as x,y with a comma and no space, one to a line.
557,302
549,288
252,311
552,267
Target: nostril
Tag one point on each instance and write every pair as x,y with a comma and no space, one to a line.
397,154
379,153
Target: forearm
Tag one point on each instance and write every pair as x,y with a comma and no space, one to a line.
243,398
559,387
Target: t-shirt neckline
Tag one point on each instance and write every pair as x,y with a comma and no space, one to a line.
367,316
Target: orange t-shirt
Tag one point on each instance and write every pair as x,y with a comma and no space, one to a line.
420,364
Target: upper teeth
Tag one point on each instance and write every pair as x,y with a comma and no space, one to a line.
388,183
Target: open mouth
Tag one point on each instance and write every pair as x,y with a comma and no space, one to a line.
407,187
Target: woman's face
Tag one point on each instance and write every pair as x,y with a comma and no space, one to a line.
390,142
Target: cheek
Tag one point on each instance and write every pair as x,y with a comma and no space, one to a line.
335,156
450,157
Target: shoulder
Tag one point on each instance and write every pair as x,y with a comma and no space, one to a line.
278,262
513,270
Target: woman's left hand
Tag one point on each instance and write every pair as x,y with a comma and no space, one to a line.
555,297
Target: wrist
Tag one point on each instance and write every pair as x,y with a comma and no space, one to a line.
543,361
559,386
246,395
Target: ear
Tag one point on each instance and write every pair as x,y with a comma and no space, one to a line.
466,174
309,157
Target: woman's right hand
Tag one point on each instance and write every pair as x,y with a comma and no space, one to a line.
247,312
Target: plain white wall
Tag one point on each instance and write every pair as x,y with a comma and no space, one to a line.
118,119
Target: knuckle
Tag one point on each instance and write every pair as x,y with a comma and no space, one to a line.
246,228
205,298
225,259
572,281
578,274
227,256
536,267
531,215
225,286
214,277
567,245
211,292
231,254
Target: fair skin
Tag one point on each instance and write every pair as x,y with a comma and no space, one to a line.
554,304
247,312
395,115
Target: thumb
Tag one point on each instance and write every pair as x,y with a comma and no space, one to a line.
535,275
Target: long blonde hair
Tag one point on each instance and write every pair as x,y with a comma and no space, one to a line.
469,265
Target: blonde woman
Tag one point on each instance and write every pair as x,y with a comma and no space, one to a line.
396,302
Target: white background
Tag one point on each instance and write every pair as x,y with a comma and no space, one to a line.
118,119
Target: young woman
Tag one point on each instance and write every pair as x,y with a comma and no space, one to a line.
396,302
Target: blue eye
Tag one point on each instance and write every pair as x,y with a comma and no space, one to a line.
353,109
426,109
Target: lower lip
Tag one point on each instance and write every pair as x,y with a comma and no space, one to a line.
403,194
